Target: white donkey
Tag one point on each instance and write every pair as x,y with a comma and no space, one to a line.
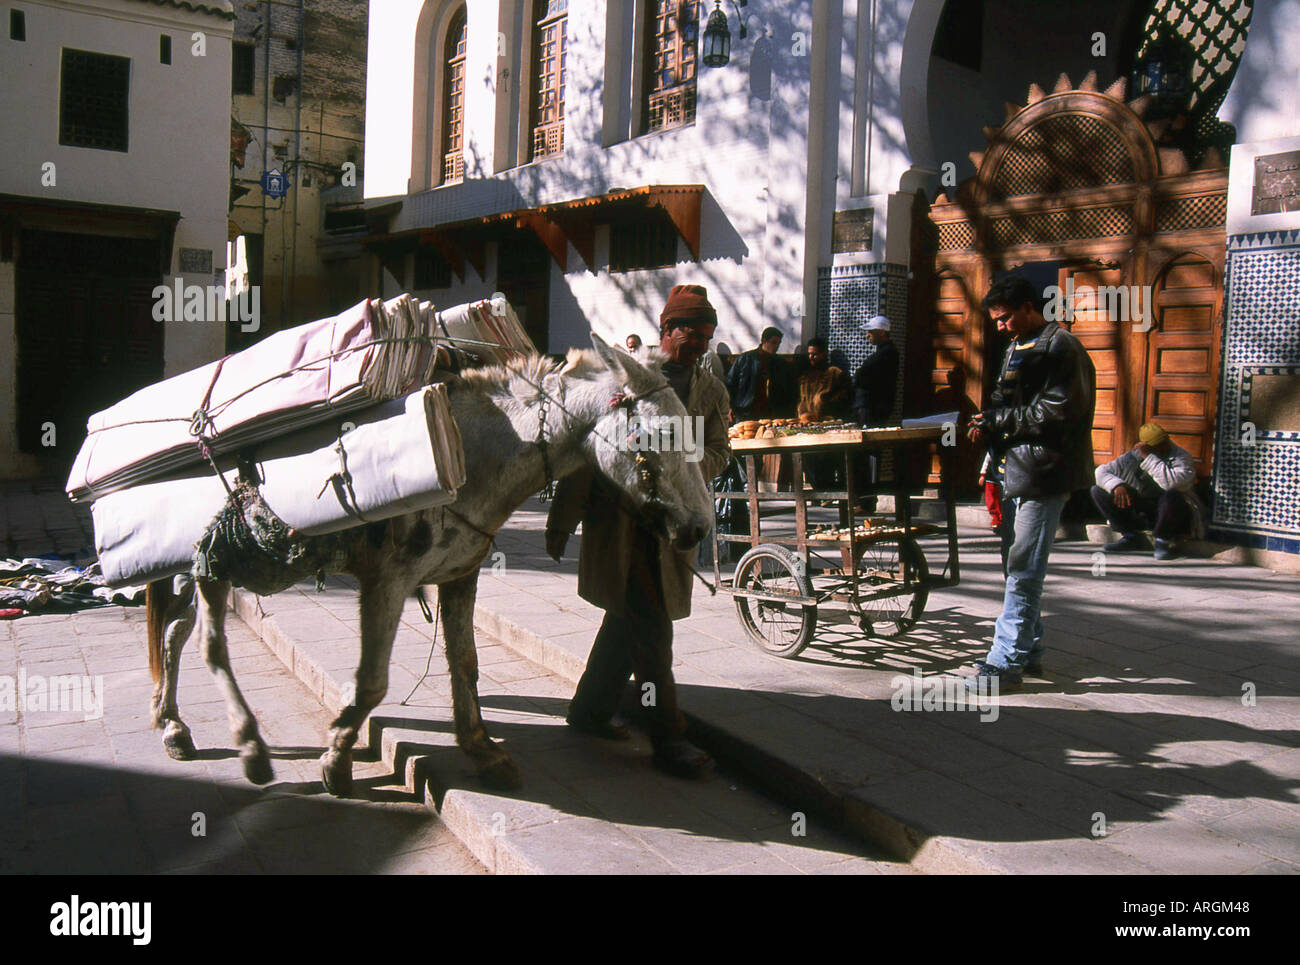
501,415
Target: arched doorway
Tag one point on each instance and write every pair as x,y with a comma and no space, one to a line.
1074,189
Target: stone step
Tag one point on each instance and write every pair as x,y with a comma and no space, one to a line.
587,806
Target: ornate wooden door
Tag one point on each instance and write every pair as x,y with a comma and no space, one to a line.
1076,177
1182,363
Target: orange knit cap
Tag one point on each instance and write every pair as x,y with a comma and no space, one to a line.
688,301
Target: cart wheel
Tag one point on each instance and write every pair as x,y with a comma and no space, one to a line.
782,629
881,569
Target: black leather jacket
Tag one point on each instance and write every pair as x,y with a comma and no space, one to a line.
1042,419
742,383
875,385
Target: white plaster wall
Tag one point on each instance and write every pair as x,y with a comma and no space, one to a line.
1264,101
177,157
390,67
751,153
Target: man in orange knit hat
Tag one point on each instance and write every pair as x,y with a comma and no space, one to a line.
639,579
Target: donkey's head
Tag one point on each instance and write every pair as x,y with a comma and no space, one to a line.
647,444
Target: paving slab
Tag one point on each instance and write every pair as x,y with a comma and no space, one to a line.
101,796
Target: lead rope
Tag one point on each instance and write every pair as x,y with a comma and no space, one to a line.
433,643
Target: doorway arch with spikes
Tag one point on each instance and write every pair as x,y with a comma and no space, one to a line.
1078,185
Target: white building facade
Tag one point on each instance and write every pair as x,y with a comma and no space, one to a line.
857,157
115,180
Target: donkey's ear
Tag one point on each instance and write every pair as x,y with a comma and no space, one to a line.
612,358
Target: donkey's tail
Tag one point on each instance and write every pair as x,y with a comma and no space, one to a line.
158,596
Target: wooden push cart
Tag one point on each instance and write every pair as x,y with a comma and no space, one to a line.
874,565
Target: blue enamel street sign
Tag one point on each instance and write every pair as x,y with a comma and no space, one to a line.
274,183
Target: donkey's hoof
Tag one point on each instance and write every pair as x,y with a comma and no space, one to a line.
178,743
336,774
501,775
257,767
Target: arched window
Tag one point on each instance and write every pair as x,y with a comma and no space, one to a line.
453,111
672,29
550,36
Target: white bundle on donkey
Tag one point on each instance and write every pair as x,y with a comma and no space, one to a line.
527,423
370,353
305,445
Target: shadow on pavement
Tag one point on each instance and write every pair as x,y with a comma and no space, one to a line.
60,817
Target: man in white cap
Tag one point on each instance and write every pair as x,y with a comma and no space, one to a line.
877,377
873,396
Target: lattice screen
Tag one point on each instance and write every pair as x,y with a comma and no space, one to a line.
1061,152
1216,32
1203,211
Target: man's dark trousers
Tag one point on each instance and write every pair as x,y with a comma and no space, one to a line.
638,641
1169,510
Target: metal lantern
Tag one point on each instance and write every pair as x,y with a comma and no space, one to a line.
1164,72
717,39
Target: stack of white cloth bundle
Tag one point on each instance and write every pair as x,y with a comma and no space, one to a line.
296,378
336,420
489,328
397,457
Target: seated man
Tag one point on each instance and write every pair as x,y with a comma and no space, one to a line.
1152,481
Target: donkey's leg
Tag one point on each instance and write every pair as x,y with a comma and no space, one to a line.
178,622
494,765
381,609
212,596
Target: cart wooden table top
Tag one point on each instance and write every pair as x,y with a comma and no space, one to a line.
840,438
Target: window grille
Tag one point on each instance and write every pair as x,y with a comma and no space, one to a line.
453,125
550,39
94,91
673,30
635,245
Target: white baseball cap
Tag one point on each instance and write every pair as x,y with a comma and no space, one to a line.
877,323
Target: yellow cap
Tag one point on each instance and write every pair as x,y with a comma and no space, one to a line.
1153,434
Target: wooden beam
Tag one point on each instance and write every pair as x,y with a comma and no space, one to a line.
582,235
476,253
451,253
683,209
550,234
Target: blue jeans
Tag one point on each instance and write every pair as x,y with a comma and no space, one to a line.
1029,523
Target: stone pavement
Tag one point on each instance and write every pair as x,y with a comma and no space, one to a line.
1135,753
1168,714
587,806
100,796
1162,738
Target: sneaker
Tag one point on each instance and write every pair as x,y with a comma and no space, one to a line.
1125,544
680,758
1008,680
1164,550
1033,665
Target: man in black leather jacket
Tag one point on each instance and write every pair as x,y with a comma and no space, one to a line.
1039,430
761,385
